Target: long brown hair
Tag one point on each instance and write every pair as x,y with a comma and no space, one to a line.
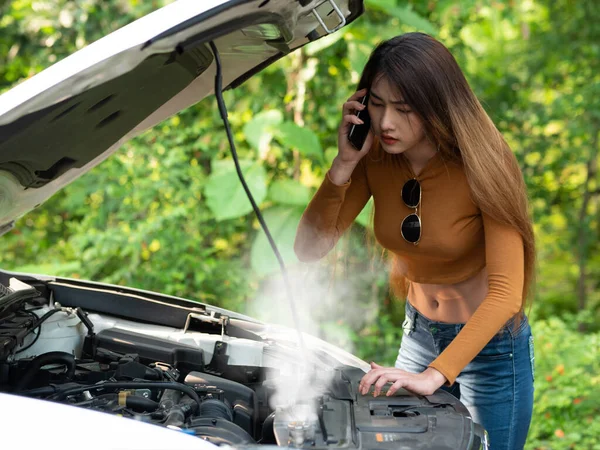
433,85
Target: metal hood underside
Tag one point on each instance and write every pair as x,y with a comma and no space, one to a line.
64,121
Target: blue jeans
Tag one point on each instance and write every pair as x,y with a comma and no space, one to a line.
496,386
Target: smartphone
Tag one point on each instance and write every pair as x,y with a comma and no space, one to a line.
358,133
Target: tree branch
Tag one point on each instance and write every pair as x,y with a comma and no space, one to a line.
592,167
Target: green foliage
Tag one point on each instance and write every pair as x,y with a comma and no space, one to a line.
282,222
226,197
364,218
259,131
381,338
289,192
567,386
299,138
167,212
404,13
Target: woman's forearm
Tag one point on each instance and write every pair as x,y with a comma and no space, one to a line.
340,171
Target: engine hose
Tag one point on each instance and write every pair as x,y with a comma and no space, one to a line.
40,361
130,385
39,392
214,408
138,403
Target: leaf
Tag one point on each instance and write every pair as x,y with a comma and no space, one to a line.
259,130
404,13
289,192
412,19
225,195
300,138
282,222
364,218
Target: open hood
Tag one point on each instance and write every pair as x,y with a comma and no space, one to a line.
66,120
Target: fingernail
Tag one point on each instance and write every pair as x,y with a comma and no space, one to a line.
361,121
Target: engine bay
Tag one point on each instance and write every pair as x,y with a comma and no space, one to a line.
214,379
208,406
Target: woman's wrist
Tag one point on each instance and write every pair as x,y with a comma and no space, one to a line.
435,376
340,171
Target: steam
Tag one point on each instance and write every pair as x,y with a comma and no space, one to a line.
329,309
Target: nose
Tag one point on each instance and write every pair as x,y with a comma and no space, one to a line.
386,122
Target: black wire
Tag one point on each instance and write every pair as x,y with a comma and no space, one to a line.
37,324
263,224
43,319
32,343
37,335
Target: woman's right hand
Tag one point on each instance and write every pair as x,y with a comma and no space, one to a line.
348,156
346,151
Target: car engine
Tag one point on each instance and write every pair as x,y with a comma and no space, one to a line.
103,362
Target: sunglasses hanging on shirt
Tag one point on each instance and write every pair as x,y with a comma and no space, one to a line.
411,225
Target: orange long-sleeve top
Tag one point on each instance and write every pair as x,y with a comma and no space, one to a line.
457,240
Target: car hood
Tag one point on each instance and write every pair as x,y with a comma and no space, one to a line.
64,121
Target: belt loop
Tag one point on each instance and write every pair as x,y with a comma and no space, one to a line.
410,320
413,317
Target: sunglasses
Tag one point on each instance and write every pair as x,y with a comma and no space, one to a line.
411,225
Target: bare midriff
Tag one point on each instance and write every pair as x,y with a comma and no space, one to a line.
449,303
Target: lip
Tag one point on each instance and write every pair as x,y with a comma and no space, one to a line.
388,140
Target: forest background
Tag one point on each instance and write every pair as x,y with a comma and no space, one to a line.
167,212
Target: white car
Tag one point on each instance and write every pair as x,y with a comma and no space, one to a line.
91,365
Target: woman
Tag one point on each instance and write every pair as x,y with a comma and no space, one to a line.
451,207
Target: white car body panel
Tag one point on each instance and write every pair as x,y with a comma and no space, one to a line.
59,426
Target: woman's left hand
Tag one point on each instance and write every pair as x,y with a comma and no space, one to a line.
424,383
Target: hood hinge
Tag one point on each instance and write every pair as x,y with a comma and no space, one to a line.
339,13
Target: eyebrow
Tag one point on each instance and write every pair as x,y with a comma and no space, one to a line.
397,102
